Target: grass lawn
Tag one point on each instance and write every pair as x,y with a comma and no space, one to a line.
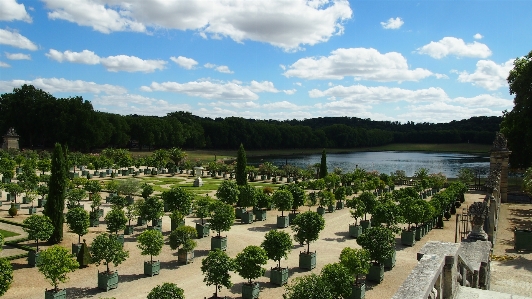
7,233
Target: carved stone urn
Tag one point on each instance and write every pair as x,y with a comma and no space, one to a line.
478,212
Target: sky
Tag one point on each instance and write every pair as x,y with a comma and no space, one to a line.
421,61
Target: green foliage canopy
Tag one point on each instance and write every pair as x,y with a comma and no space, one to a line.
55,263
248,262
307,227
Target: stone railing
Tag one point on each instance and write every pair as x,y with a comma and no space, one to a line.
442,267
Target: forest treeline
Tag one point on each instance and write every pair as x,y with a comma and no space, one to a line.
42,119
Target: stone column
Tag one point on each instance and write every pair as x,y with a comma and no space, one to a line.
500,155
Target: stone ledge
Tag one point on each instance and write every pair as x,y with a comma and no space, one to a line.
471,293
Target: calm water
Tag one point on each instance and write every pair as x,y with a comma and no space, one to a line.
387,162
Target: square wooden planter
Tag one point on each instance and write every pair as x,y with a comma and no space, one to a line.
358,291
152,268
203,230
250,291
340,205
174,224
365,224
94,222
307,260
419,233
120,239
32,210
33,258
141,222
219,243
239,211
321,210
185,256
522,239
50,294
355,230
408,237
291,218
76,248
128,230
246,218
107,281
389,263
331,209
260,215
376,273
282,221
279,276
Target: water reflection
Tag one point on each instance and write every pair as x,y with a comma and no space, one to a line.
387,162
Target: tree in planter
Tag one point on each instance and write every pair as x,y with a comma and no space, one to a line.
166,291
357,208
116,220
182,239
248,265
312,199
152,209
379,241
386,211
39,228
277,245
247,197
307,227
241,163
264,201
310,286
78,222
283,200
74,197
298,194
216,267
55,263
128,187
178,199
228,192
202,207
222,217
112,186
369,200
357,262
13,189
151,242
339,279
96,203
92,187
147,190
325,198
106,249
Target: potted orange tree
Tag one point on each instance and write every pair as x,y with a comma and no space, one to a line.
307,227
277,245
106,249
358,262
248,264
55,263
283,201
151,242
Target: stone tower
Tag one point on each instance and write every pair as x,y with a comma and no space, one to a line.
499,156
10,140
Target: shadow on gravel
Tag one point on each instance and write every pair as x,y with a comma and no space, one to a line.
171,265
130,277
78,293
264,228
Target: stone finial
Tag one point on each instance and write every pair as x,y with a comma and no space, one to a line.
494,178
11,132
478,212
500,143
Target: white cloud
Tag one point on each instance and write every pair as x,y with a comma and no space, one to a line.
17,56
131,64
360,63
281,105
477,36
136,104
285,24
392,23
10,10
264,86
15,39
219,68
84,57
184,62
488,74
440,112
484,100
53,85
290,91
3,64
455,46
206,90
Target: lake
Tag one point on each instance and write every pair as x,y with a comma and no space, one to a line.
387,162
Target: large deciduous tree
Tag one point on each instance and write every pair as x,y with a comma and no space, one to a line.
56,195
517,124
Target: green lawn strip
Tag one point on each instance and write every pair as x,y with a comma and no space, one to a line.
16,257
7,233
15,243
11,222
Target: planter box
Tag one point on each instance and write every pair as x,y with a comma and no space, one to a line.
340,205
522,239
185,256
16,205
151,269
376,273
50,294
291,218
25,200
32,211
365,224
219,243
355,230
260,215
76,248
107,281
307,260
6,180
321,210
282,221
331,209
279,276
141,222
130,199
174,224
33,258
102,174
250,291
120,239
408,237
157,222
389,263
158,228
128,230
358,291
203,230
246,218
94,222
419,233
239,211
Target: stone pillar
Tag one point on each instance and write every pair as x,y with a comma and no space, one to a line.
500,155
10,140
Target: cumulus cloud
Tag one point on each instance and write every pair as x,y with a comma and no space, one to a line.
184,62
455,46
219,68
392,23
136,104
15,39
488,74
10,10
484,100
290,91
3,64
440,112
17,56
477,36
112,63
284,24
206,89
264,86
84,57
360,63
53,85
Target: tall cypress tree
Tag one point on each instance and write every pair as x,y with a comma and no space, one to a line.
241,163
323,165
56,194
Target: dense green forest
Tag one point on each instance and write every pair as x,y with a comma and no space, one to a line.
41,120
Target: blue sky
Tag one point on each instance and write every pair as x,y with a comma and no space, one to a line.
421,61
